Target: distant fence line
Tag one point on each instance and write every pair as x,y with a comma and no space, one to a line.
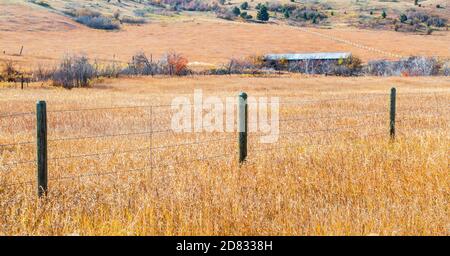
241,138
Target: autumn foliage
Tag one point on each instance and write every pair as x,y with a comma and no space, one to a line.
176,63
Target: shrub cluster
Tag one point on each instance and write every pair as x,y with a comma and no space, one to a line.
78,71
226,14
416,17
185,5
446,68
414,20
294,12
92,19
249,65
172,64
43,73
412,66
74,71
9,72
98,22
41,3
351,66
132,20
306,14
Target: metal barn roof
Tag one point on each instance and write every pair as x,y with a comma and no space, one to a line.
309,56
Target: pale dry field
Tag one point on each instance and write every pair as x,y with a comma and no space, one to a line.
334,170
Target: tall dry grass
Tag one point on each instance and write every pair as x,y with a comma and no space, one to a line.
354,181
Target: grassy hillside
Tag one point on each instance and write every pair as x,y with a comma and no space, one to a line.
47,34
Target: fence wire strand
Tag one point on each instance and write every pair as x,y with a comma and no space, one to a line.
143,169
153,148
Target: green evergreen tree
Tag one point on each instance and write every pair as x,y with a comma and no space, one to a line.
263,14
403,18
236,11
244,6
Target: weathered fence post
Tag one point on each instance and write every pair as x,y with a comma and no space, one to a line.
243,126
392,113
41,139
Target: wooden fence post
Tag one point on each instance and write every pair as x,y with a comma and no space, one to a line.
392,113
243,126
41,139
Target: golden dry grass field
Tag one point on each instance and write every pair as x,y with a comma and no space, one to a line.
334,170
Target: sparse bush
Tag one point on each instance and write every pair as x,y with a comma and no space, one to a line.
92,19
116,14
413,66
110,69
384,14
289,7
176,64
9,73
97,22
351,66
41,3
132,20
417,17
274,7
171,64
141,65
446,68
310,67
411,21
226,14
142,12
306,14
43,73
86,12
249,65
74,71
436,21
188,5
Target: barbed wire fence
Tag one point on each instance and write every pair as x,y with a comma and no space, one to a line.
245,143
